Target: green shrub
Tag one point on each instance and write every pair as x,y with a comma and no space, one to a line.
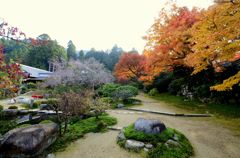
1,108
176,85
107,90
12,107
153,92
162,81
31,85
125,92
202,91
106,100
51,102
24,89
36,104
101,126
6,125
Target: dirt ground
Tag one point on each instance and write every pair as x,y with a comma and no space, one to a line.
209,139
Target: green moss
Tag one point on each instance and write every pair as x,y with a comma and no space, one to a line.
24,125
184,150
1,108
46,122
6,125
78,129
121,143
131,133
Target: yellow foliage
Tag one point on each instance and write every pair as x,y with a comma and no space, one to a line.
228,83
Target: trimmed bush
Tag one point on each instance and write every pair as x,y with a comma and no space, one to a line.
202,91
176,85
125,92
31,85
162,81
106,100
12,107
107,90
153,92
1,108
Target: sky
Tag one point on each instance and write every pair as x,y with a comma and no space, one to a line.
98,24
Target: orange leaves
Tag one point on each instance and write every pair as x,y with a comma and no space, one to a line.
167,40
130,66
10,74
216,37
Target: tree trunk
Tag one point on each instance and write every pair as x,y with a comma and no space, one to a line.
65,125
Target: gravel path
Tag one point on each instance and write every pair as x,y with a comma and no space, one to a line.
210,140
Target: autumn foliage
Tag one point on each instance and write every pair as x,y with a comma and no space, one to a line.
130,66
10,74
198,39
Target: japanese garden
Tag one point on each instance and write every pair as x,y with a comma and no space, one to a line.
178,97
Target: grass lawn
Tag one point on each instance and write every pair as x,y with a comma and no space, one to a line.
228,115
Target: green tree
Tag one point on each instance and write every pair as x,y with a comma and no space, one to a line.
81,55
40,55
114,56
71,51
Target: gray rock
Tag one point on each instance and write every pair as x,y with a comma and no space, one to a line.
45,107
175,137
149,146
23,111
172,143
134,145
28,141
149,126
10,112
146,149
50,156
120,105
121,136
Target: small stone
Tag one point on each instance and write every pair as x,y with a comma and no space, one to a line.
134,145
121,136
50,156
120,105
172,143
146,149
149,146
175,137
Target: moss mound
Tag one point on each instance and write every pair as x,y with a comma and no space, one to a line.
170,143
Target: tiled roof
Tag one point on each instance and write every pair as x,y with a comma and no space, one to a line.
35,72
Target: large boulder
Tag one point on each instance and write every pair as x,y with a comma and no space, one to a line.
28,141
149,126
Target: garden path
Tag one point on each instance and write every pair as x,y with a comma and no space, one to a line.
209,139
